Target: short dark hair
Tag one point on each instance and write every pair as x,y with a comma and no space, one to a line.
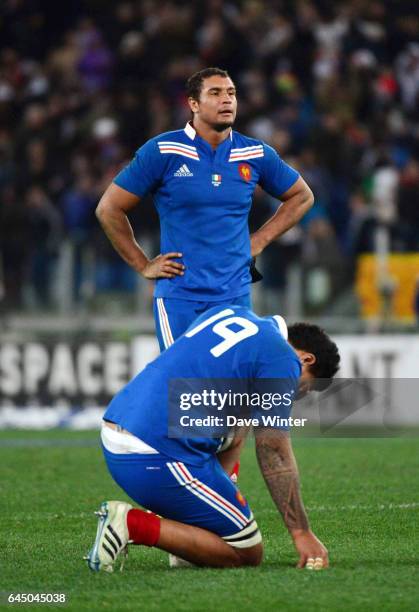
313,339
194,83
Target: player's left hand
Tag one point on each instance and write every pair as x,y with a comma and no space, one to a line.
313,553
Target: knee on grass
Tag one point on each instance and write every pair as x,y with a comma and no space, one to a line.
251,556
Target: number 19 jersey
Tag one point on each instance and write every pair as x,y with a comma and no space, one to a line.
223,343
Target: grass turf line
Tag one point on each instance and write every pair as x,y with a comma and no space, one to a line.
48,495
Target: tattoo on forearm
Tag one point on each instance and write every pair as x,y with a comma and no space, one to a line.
281,476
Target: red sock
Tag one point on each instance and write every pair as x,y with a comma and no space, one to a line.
235,472
143,527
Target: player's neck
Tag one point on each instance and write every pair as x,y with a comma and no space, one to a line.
206,132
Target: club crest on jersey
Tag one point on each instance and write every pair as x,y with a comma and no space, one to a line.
245,172
216,179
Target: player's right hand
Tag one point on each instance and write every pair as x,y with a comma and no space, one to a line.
163,266
313,553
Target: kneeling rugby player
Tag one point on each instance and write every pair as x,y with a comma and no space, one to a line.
194,510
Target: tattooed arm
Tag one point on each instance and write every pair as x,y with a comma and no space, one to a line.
279,468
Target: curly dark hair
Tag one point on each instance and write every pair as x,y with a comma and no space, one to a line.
194,83
313,339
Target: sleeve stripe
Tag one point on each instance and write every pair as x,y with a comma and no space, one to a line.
174,151
244,156
176,144
243,149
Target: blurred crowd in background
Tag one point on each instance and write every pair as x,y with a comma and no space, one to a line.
333,86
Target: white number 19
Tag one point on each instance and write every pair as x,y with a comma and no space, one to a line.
230,337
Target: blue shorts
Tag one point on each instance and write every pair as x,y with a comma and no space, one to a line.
201,496
173,316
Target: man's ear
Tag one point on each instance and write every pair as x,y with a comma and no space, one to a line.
193,105
308,358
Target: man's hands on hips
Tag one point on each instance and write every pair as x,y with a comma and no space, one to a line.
313,554
163,266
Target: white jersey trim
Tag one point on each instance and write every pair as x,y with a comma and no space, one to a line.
280,321
164,324
121,443
191,132
165,143
176,148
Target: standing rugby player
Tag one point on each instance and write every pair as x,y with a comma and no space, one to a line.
202,179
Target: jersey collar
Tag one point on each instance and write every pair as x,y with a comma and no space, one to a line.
282,326
191,132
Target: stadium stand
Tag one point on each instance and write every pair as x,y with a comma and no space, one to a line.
334,86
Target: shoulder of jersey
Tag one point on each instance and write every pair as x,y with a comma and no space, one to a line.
176,143
275,325
176,135
245,148
270,324
242,138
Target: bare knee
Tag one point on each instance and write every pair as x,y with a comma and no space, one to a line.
251,556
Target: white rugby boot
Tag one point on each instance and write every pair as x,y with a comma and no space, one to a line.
112,537
179,562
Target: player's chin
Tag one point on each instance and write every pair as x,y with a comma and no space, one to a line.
220,126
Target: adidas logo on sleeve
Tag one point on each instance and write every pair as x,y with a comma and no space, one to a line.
183,171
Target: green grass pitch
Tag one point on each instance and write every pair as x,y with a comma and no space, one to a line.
362,496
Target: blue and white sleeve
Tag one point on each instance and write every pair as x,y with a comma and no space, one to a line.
276,175
143,174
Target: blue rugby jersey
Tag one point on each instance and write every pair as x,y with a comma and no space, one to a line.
203,197
226,342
